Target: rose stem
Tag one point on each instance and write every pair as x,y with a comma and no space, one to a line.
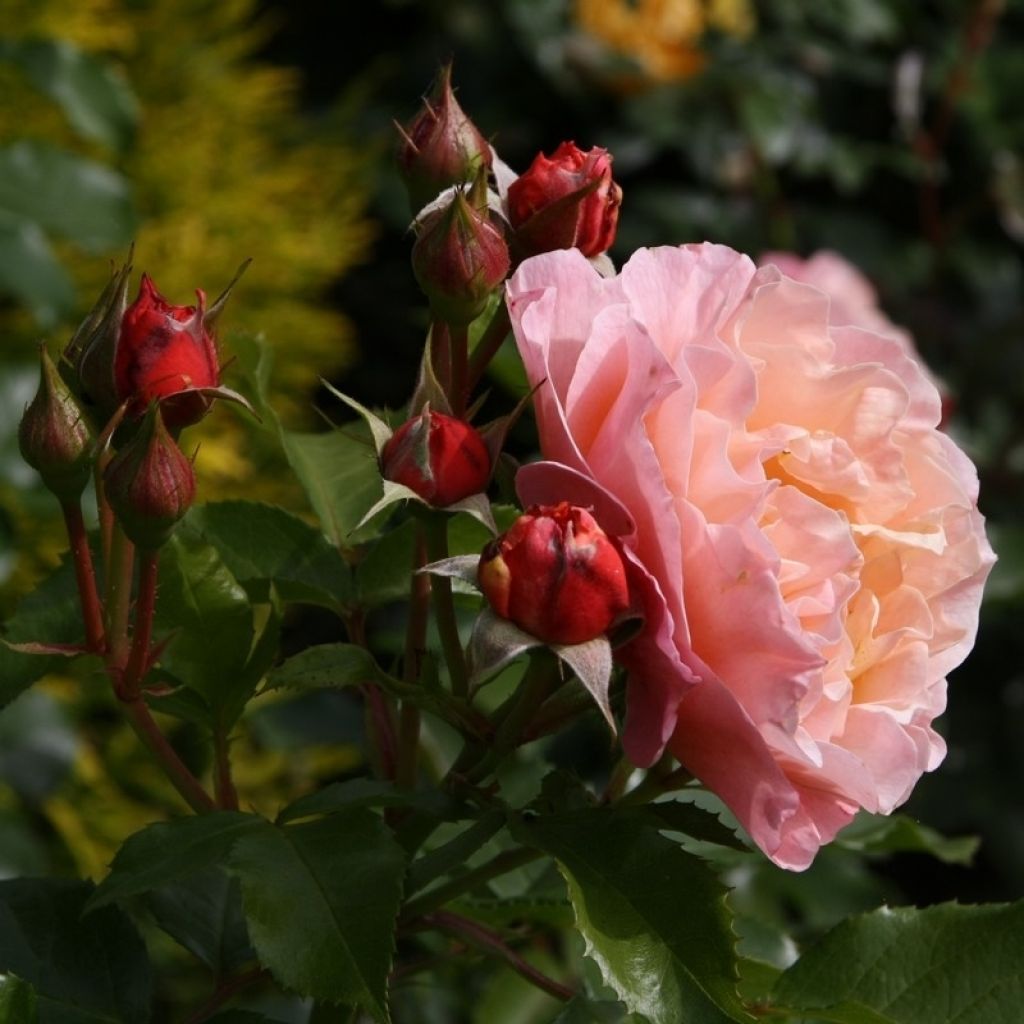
103,510
540,677
127,671
444,606
491,942
85,576
488,345
226,989
499,865
440,354
223,784
145,606
460,368
119,594
173,767
415,644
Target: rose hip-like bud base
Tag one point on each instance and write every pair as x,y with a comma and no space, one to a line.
556,575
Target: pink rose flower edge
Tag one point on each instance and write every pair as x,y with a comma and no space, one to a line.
805,544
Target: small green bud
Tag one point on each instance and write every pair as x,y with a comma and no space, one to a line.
54,437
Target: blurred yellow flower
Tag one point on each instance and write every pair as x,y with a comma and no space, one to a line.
662,36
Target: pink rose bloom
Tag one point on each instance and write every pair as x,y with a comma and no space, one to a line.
804,542
853,301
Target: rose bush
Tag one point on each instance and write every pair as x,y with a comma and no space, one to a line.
805,543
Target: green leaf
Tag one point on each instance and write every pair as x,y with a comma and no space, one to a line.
338,471
261,542
203,913
383,575
96,101
652,916
354,793
85,968
171,850
333,665
584,1011
31,273
873,833
321,899
17,1002
66,195
208,612
693,821
345,665
49,614
455,853
935,966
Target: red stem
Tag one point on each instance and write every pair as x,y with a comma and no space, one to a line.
491,942
223,784
174,768
85,576
145,605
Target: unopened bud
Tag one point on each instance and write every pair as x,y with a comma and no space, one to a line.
150,483
566,201
459,259
441,146
556,575
53,436
440,458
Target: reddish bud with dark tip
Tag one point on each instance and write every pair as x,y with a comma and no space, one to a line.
441,458
150,483
460,258
53,436
440,147
556,575
565,201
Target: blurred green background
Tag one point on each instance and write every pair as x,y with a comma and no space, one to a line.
208,131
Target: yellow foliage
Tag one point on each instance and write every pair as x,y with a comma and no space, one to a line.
662,36
222,170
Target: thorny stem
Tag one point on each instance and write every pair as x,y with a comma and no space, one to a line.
174,768
488,345
85,576
415,644
444,606
223,784
226,990
501,864
119,595
127,667
145,605
491,942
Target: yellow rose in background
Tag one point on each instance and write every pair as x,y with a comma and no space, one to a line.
662,36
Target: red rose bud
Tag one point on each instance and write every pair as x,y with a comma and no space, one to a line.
53,436
459,259
565,201
441,147
556,575
149,483
440,458
165,353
